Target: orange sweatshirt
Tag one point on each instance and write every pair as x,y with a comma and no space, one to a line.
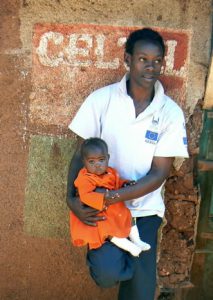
118,217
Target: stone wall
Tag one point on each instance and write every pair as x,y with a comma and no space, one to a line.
182,202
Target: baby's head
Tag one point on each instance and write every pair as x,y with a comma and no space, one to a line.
94,154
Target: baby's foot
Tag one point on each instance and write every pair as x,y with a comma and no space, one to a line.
135,250
142,245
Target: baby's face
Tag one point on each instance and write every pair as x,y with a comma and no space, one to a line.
96,161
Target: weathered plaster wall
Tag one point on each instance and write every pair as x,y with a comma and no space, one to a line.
36,260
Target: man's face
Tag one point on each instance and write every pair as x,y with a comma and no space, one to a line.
145,63
96,161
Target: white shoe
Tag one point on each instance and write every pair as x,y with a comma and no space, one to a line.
142,245
136,251
135,238
127,245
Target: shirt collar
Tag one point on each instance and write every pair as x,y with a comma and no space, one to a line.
122,83
158,100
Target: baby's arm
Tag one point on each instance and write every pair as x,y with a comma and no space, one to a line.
89,197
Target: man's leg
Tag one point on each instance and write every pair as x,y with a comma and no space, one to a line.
143,283
109,264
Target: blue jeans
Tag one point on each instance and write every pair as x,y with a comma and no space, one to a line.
110,265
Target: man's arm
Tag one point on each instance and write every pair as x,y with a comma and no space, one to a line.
86,214
74,168
153,180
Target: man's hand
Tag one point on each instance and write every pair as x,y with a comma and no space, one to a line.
86,214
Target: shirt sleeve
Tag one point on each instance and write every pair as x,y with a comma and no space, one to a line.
87,121
87,195
172,141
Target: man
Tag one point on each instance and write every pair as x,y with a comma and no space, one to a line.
144,130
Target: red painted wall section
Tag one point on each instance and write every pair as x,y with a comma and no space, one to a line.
70,61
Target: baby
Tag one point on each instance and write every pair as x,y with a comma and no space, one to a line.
118,224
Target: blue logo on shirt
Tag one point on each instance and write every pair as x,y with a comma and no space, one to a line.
151,135
185,141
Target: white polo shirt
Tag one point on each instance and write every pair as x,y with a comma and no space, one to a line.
159,130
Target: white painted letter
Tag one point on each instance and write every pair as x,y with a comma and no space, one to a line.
72,50
44,59
170,59
99,51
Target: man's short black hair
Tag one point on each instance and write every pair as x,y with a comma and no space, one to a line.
145,34
93,143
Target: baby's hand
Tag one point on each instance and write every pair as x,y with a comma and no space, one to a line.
129,183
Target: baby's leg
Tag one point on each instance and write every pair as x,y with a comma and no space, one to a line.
135,238
127,245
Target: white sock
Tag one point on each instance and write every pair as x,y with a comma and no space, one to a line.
135,238
127,245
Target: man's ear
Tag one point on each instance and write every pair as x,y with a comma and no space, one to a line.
127,59
108,156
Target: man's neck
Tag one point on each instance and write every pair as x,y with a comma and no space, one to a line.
139,94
